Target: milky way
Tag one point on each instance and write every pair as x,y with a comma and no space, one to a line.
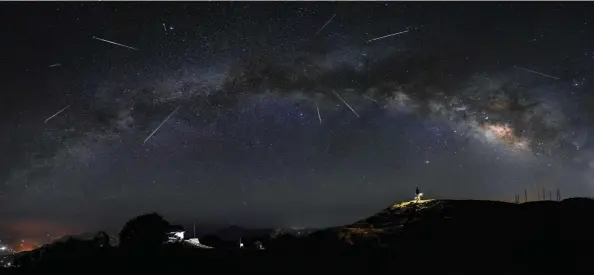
275,114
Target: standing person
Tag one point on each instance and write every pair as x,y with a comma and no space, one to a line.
418,194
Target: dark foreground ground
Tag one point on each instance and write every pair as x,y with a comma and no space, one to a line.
451,237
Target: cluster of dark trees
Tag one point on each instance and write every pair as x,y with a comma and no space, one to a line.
142,237
144,232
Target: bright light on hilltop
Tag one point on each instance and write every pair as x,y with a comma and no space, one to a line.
407,203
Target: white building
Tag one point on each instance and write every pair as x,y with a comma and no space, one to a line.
176,235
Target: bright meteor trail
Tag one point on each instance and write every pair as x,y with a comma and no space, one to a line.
346,103
158,127
386,36
57,113
319,116
115,43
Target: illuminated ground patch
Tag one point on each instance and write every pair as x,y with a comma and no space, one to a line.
408,203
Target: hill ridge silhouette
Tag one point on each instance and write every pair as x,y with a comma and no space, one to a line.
439,235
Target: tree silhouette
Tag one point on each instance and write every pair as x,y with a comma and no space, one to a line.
276,233
145,231
101,239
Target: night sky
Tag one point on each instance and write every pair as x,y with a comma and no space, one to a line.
285,114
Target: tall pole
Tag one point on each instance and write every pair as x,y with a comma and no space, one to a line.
194,230
525,195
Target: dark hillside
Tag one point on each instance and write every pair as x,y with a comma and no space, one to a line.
461,236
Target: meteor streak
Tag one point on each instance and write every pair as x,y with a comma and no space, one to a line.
327,22
115,43
158,127
386,36
54,115
346,103
370,98
319,116
535,72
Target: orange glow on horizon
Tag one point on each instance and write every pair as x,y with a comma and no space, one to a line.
29,234
26,245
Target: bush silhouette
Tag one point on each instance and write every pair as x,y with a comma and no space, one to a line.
101,239
145,231
214,241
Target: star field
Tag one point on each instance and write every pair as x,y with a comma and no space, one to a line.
285,114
